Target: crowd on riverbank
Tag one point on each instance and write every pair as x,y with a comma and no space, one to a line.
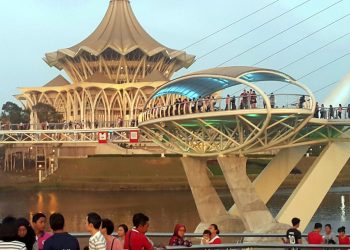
23,235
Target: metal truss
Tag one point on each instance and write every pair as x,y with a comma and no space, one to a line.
115,135
214,133
319,131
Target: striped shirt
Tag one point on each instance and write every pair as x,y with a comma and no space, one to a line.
97,242
12,245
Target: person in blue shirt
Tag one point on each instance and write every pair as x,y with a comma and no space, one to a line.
60,239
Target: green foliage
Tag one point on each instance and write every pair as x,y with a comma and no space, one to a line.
14,114
47,113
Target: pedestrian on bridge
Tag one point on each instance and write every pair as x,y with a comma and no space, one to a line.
340,110
233,103
323,112
227,101
272,100
331,112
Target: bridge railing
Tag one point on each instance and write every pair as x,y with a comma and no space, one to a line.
68,125
231,241
332,113
185,107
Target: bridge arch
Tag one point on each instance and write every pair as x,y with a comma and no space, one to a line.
259,128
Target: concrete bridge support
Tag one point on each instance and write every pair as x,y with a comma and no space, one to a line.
253,211
210,207
310,192
273,175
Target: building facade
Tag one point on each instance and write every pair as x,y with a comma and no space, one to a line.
111,73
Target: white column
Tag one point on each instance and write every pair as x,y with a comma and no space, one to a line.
253,211
279,167
316,183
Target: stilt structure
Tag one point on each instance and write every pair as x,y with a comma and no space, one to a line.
209,206
272,176
316,183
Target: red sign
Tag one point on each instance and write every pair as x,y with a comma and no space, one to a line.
134,136
102,137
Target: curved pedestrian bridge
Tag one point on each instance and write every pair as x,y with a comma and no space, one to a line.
188,115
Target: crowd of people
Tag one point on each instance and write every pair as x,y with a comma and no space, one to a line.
248,99
331,112
294,236
20,234
119,123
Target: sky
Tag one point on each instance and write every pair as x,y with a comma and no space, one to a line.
31,28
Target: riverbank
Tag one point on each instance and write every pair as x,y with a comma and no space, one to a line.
118,173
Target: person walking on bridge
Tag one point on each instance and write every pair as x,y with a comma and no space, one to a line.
272,100
323,112
340,110
227,101
331,112
233,102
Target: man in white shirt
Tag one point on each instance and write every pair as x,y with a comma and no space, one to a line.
93,225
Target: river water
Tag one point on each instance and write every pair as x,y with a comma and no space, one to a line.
165,208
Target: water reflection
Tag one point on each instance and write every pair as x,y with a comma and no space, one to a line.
164,208
342,209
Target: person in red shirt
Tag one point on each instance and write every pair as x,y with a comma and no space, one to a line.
315,237
136,239
214,237
343,239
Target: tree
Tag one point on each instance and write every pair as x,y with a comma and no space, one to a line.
47,113
14,114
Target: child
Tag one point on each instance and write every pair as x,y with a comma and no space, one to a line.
206,237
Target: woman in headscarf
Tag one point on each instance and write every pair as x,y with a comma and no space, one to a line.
178,237
25,233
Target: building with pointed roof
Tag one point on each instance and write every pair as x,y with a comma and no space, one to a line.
113,71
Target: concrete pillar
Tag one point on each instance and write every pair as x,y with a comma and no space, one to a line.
279,167
310,192
208,203
253,211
